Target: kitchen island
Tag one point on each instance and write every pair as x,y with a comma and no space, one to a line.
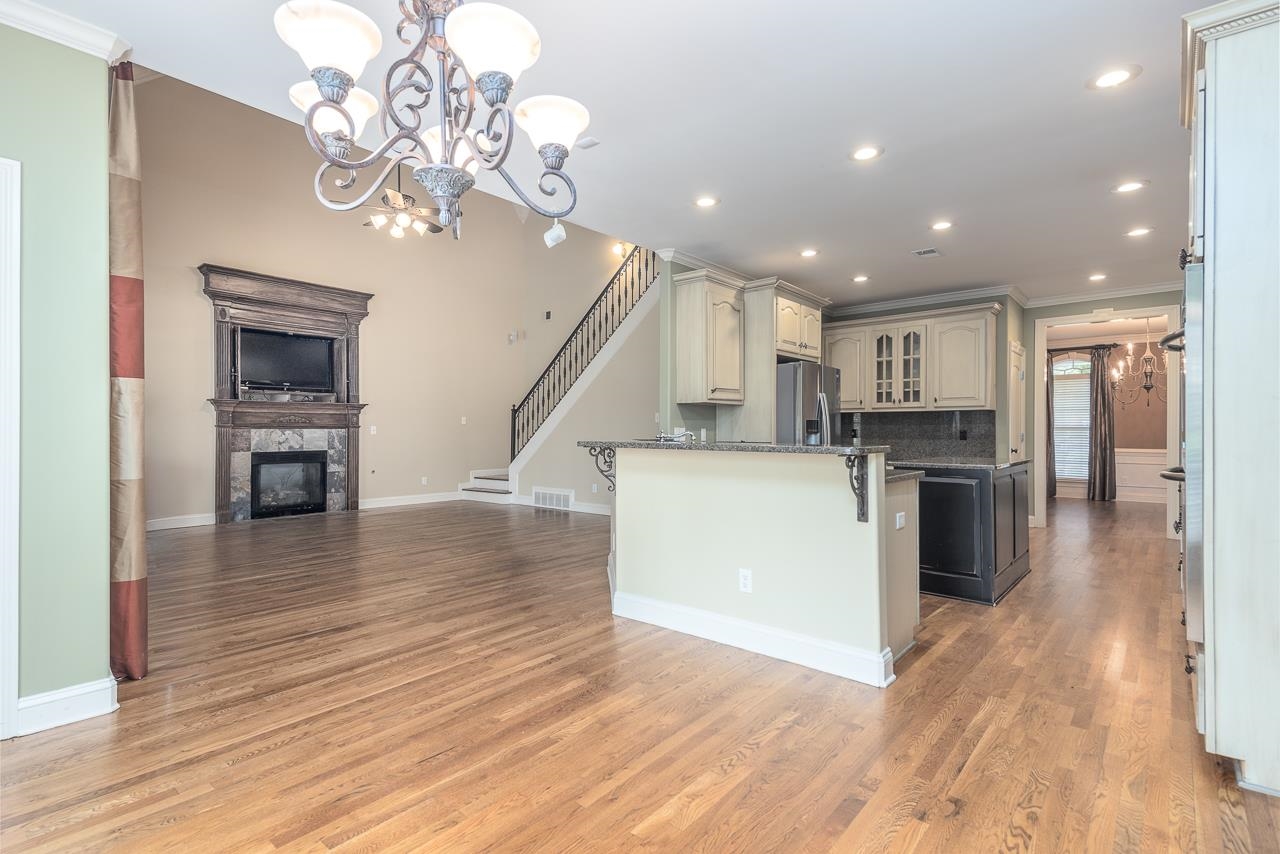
974,524
803,553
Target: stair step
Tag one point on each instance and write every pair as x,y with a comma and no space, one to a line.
502,477
486,489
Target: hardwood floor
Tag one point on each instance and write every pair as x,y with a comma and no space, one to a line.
449,677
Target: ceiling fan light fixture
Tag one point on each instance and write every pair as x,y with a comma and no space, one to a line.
397,232
378,220
420,227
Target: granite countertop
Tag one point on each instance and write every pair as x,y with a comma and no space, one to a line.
893,475
739,447
956,463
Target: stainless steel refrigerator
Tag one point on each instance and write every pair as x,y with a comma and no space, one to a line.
808,404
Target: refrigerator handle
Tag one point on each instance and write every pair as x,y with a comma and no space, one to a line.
824,415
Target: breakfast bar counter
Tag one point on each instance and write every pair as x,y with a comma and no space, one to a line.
803,553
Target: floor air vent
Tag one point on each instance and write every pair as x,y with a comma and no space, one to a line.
926,253
552,499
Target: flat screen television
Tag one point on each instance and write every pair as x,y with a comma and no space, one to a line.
280,360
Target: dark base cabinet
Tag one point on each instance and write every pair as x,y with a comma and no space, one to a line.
973,532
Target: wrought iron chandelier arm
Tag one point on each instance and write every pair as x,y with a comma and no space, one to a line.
545,190
348,182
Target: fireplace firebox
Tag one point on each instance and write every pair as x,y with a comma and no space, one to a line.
288,483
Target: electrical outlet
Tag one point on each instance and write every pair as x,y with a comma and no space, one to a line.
656,419
595,487
373,431
424,481
744,580
548,315
964,435
899,521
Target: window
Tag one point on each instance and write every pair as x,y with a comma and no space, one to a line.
1071,418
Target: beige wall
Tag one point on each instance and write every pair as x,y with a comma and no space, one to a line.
434,348
1140,425
619,403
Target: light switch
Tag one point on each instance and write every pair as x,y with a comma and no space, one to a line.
373,431
900,521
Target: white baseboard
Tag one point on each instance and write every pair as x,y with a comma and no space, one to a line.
66,705
193,521
402,500
1253,787
857,664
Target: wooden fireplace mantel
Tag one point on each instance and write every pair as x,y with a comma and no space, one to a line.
258,301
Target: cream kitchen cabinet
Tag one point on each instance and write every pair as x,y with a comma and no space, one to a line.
810,332
709,339
788,327
846,350
898,379
962,362
942,359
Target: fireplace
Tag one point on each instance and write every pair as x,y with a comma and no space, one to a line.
288,483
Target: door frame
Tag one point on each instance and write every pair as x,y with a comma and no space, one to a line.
1016,349
10,427
1173,318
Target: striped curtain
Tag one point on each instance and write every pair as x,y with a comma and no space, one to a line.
128,513
1102,427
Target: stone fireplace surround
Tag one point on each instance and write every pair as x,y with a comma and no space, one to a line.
300,422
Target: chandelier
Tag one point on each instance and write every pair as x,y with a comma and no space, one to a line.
1132,376
457,51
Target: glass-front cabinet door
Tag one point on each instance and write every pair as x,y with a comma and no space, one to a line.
884,377
911,393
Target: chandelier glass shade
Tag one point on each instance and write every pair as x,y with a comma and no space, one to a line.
1134,374
462,59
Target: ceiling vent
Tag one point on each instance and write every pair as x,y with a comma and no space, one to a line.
931,252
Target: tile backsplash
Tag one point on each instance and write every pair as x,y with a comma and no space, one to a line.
965,433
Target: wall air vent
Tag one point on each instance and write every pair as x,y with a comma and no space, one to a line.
552,499
926,253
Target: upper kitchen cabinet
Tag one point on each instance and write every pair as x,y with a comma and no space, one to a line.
810,332
788,327
709,339
846,350
962,362
798,321
898,372
929,360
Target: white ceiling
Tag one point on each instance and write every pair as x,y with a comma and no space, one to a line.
981,107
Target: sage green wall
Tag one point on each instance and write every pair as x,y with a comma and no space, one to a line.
54,100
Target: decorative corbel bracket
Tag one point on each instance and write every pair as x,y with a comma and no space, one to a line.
603,455
857,466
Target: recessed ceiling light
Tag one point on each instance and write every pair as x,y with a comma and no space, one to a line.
1097,277
808,253
941,225
707,201
867,152
1129,186
1113,77
860,278
1140,231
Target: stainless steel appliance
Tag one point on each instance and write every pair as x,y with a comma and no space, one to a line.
808,404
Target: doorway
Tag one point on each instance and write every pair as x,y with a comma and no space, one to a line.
1147,423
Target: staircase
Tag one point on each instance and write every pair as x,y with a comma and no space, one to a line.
602,319
487,482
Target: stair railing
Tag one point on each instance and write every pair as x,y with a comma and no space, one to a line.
602,319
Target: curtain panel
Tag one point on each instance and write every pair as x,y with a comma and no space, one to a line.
128,511
1102,427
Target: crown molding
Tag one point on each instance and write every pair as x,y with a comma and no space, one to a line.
63,29
1093,296
679,256
1205,25
931,301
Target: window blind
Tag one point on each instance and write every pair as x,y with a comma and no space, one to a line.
1071,425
